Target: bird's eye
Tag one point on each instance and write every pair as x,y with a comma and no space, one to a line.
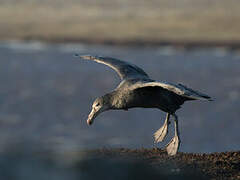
97,104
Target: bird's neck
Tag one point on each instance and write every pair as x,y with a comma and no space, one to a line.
108,99
118,100
113,100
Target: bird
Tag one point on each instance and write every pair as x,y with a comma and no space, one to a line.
138,90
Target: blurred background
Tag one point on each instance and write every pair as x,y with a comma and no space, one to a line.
121,21
46,93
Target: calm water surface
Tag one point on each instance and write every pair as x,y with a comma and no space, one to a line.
46,95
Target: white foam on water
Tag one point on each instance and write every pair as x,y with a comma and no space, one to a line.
24,46
220,51
167,51
72,48
237,55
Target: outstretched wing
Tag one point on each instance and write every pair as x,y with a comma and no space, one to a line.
177,89
125,70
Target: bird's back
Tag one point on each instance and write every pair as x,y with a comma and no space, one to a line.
149,97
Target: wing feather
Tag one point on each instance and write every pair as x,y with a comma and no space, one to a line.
125,70
177,89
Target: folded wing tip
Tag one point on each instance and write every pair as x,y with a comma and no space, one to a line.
87,56
207,98
82,56
210,99
77,55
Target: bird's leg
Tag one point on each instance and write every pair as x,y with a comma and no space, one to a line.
161,133
173,145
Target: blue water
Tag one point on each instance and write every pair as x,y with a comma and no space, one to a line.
46,95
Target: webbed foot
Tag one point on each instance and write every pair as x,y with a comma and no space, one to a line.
173,145
161,133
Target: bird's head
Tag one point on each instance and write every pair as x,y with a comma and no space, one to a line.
99,105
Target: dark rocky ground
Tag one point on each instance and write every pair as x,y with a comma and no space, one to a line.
224,165
114,164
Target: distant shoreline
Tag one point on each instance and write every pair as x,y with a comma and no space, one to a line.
185,24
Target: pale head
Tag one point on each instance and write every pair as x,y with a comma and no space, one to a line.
99,105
